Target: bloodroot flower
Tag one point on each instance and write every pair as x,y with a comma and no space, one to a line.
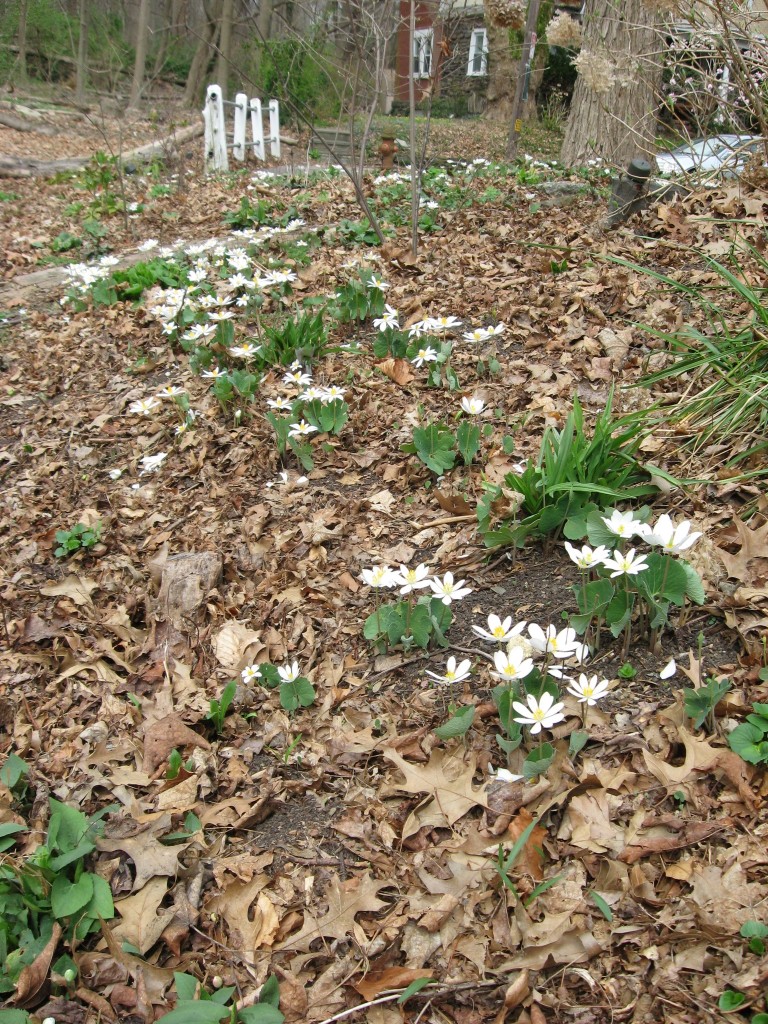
540,714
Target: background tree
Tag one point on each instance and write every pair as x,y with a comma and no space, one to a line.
142,34
615,103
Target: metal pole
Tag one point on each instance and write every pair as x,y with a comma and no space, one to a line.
523,77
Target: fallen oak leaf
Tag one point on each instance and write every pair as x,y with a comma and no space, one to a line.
165,735
398,370
376,982
345,900
691,833
140,923
448,782
33,980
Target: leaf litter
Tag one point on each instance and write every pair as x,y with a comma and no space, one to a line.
342,846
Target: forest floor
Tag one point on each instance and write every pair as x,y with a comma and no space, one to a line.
344,847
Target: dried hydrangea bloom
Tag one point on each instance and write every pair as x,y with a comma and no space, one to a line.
597,71
564,31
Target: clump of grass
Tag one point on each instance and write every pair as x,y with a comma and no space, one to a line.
723,371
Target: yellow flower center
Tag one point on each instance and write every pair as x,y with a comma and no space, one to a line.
587,691
539,715
498,631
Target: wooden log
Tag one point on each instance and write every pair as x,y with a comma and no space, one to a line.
27,167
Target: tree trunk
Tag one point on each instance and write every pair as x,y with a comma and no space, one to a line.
202,57
21,41
169,26
502,74
622,49
223,65
81,74
263,33
141,54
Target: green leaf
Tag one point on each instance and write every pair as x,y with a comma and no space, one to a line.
577,741
262,1013
601,905
14,1017
730,1000
468,440
420,625
413,988
270,991
68,897
538,761
298,693
699,703
694,587
8,832
186,985
193,1011
101,905
435,447
748,742
13,770
67,830
458,724
753,929
619,611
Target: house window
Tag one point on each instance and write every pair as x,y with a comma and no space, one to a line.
422,53
478,53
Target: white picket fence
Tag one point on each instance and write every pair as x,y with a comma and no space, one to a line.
217,144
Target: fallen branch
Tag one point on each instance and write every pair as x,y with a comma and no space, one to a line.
26,167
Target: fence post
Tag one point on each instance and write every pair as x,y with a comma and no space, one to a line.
215,131
257,130
241,108
274,128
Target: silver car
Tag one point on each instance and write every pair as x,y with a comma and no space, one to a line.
719,154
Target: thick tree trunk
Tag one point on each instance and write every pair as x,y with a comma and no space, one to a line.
223,59
623,48
81,75
141,54
21,41
202,57
502,74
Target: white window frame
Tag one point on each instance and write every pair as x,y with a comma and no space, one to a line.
423,52
478,46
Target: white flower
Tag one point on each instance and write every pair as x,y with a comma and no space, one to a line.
424,355
250,673
452,674
473,406
170,391
215,373
443,323
301,429
387,320
218,316
496,331
198,331
332,393
380,576
447,590
669,669
412,579
151,243
671,538
297,377
625,565
512,665
560,645
498,631
279,403
540,714
115,474
416,330
150,463
587,558
312,392
504,775
377,283
623,524
288,673
478,334
246,351
144,406
588,690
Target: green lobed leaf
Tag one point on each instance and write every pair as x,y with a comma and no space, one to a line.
298,693
435,447
194,1011
468,440
748,742
458,724
539,760
731,1000
261,1013
67,897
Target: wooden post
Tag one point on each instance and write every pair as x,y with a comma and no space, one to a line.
241,107
274,128
257,130
215,131
523,77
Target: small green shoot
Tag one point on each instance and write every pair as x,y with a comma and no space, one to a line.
220,707
77,538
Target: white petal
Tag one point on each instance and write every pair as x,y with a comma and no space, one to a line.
669,669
